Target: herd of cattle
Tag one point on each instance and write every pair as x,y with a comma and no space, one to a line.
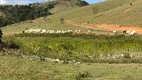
51,31
73,31
126,32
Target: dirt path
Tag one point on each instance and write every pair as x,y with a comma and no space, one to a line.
39,21
109,27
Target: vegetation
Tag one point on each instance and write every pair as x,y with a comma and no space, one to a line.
24,55
80,47
121,12
15,13
108,12
103,15
13,68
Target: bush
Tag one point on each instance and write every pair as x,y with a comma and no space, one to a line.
81,75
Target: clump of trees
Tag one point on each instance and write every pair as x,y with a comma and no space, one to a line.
81,3
18,13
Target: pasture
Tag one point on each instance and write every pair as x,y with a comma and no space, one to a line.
71,56
79,47
13,68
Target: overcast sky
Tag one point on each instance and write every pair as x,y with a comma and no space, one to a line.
33,1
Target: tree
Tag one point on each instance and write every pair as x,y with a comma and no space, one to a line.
3,21
94,10
82,3
61,20
1,36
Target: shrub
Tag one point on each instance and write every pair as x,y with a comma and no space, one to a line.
81,75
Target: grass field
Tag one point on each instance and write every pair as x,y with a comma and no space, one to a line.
80,47
57,46
12,68
19,27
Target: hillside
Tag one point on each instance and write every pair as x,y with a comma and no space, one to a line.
14,13
108,12
17,13
128,14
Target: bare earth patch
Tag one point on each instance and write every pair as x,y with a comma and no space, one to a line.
109,27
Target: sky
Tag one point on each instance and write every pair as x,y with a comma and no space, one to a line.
34,1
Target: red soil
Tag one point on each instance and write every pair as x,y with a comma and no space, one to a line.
39,21
110,27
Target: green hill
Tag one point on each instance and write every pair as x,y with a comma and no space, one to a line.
111,11
18,13
122,12
125,14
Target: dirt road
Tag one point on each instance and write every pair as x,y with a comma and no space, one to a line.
109,27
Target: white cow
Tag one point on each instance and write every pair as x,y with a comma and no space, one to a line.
132,32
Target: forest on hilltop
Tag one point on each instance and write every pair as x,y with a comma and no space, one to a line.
10,14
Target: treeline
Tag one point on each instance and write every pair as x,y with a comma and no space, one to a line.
10,14
16,13
79,3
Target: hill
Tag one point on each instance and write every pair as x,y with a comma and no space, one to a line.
121,12
14,13
17,13
128,14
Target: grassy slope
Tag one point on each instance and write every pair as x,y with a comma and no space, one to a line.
77,14
87,10
122,15
110,12
61,6
13,68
